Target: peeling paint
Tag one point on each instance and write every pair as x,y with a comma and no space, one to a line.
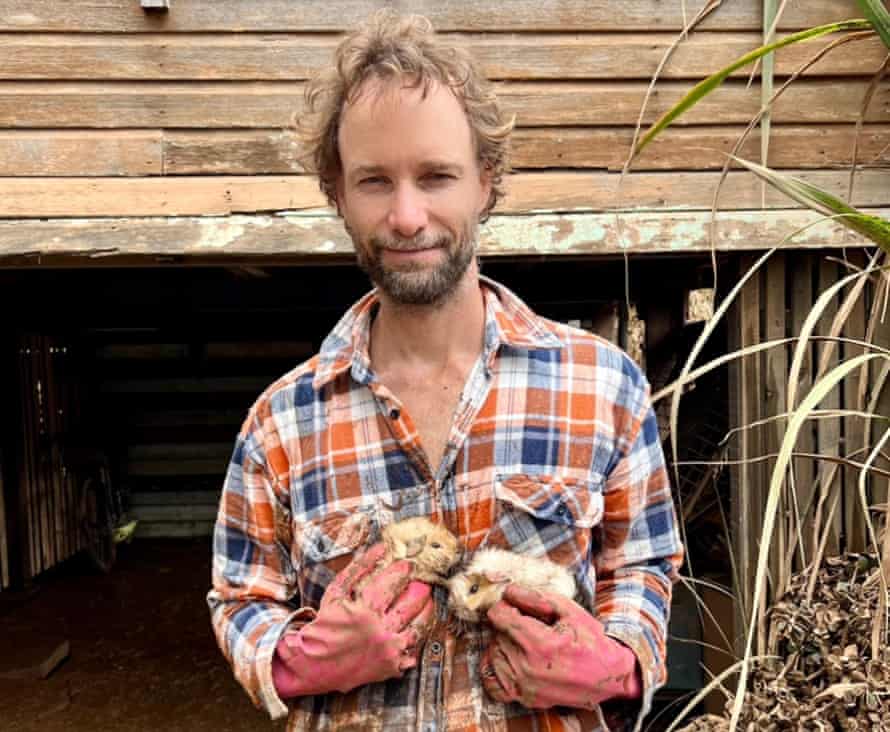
219,234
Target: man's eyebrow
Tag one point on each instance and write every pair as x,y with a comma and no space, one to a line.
366,170
442,165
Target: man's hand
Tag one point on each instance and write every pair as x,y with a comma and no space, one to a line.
365,631
549,651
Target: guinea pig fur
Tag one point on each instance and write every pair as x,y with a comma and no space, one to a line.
433,548
483,581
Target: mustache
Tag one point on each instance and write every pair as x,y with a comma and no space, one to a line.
416,243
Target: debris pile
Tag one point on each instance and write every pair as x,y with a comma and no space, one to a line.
830,668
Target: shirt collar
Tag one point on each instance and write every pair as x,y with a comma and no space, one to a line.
508,322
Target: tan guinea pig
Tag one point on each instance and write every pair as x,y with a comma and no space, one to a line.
482,583
433,548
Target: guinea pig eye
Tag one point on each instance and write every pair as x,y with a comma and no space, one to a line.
474,589
436,545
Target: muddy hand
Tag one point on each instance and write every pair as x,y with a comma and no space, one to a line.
549,651
360,635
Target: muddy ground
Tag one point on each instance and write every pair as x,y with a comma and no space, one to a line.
142,654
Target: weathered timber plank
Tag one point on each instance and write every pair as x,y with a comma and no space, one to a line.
180,451
880,390
802,299
855,443
81,152
178,498
264,152
185,385
828,435
677,148
775,379
173,529
526,192
304,238
500,15
203,419
249,57
745,390
160,468
222,350
212,105
174,512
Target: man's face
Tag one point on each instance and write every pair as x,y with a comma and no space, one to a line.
411,190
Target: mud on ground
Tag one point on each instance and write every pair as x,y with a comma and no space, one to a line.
142,653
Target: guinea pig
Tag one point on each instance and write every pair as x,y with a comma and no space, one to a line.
433,548
483,581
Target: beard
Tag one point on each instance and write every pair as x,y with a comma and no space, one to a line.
414,283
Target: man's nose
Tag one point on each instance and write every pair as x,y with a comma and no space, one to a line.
408,214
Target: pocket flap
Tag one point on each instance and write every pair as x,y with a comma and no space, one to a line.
556,498
333,535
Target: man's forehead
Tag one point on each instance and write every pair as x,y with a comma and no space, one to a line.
377,95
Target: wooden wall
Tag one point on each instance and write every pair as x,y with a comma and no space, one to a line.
774,305
111,117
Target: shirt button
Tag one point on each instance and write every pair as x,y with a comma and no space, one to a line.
435,648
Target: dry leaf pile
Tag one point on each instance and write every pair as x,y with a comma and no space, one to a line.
832,665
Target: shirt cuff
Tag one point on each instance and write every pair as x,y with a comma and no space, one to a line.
267,695
632,636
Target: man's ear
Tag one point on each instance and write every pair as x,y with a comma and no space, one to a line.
485,185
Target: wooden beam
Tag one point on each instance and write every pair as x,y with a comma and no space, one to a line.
526,193
295,57
494,15
105,153
310,238
215,105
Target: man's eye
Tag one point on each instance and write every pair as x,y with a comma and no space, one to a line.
436,545
439,177
371,181
474,589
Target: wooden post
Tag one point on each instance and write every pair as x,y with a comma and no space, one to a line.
802,299
775,396
746,393
11,555
854,427
829,430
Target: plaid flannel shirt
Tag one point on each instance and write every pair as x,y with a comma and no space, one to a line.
553,451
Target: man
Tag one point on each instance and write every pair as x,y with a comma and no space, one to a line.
440,394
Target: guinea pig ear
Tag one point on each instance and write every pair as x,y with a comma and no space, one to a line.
495,577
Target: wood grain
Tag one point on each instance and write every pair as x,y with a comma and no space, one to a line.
65,153
320,238
314,15
526,193
293,57
220,105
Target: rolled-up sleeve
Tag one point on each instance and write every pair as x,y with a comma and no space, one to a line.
254,594
640,551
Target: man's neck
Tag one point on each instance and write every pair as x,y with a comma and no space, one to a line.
430,338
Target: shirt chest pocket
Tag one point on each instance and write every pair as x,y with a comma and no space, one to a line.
546,515
326,545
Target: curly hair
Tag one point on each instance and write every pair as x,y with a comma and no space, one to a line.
391,46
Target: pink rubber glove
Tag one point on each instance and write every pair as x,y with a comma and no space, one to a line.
549,652
362,633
